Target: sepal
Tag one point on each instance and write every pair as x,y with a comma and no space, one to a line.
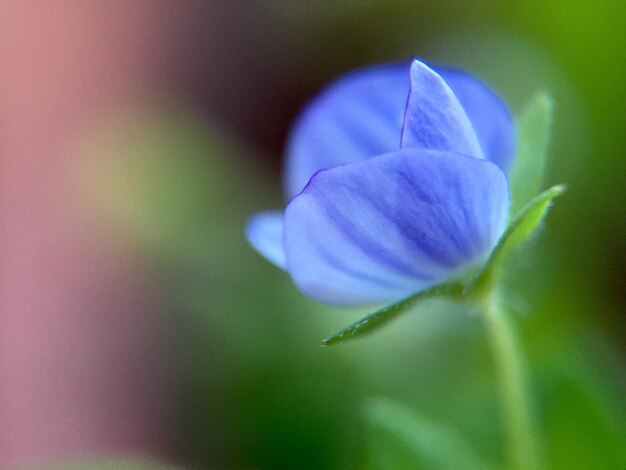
381,317
522,227
534,130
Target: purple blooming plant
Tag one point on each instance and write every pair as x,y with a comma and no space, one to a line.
405,183
397,180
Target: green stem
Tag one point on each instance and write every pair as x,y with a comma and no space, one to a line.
511,366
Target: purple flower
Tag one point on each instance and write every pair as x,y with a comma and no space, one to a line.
397,182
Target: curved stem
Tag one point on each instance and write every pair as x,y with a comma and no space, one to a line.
511,366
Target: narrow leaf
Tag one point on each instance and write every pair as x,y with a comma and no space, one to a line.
433,444
523,226
534,130
380,317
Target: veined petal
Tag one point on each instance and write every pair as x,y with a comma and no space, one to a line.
381,229
265,234
355,118
434,118
490,117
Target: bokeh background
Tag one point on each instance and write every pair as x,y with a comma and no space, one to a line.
137,327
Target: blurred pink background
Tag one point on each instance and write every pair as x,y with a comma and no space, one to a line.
78,337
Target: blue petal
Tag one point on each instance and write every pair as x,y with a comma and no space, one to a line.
434,118
381,229
490,117
355,118
265,234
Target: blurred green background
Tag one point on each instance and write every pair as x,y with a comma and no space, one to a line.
253,387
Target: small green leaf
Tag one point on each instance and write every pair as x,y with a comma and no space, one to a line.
380,317
522,226
534,130
433,445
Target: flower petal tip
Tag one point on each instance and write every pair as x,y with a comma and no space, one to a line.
434,118
265,233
